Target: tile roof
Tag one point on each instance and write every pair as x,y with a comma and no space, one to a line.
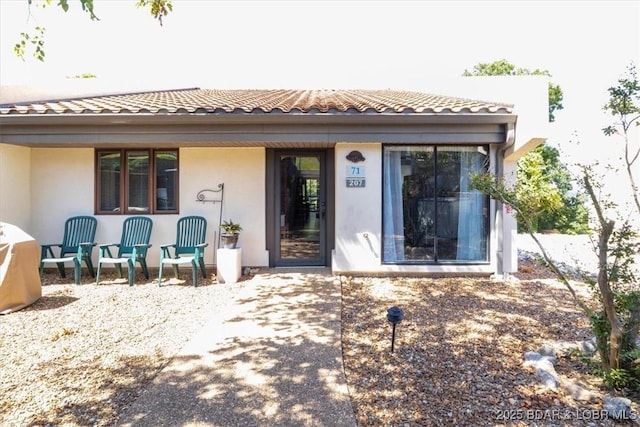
196,101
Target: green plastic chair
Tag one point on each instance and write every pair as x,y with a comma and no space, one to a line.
188,249
133,247
77,246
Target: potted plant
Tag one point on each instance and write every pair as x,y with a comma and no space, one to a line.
229,235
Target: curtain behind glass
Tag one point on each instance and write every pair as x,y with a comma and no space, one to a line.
109,193
166,180
472,233
138,185
392,211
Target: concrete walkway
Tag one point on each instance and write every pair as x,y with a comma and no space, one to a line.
273,358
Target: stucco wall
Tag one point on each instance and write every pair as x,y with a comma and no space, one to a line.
242,170
63,183
15,185
358,212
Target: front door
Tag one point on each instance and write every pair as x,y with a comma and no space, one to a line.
300,208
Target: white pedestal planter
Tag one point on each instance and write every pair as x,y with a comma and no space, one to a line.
229,265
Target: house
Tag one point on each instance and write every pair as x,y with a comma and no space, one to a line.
363,181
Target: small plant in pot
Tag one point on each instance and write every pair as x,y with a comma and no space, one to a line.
229,235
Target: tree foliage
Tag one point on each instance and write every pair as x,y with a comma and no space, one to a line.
34,40
536,190
573,216
617,323
624,105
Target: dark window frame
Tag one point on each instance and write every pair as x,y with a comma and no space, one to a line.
124,182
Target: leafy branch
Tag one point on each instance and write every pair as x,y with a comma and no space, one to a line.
35,39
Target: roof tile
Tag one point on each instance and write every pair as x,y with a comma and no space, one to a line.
258,101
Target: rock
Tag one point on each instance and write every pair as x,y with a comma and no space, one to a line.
549,349
588,346
533,358
578,391
618,408
530,357
562,349
548,377
544,368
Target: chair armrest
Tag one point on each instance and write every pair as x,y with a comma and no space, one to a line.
106,245
85,248
165,252
47,252
57,245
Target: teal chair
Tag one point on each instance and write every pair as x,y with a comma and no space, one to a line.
188,248
77,246
133,247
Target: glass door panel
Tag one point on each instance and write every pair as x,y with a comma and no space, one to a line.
302,209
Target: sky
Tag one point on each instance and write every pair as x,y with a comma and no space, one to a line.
407,45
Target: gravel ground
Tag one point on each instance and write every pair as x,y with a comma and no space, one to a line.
458,357
81,354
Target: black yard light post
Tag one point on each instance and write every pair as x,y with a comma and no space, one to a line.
394,316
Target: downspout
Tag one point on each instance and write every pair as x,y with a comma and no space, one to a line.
510,139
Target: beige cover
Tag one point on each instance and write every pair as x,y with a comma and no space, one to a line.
20,283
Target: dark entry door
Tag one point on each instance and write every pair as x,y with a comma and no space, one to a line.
301,209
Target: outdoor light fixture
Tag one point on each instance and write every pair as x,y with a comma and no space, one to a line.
394,316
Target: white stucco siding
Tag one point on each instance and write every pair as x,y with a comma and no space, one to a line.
15,185
510,225
242,170
63,186
358,211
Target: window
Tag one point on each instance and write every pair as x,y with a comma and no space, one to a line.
430,214
136,181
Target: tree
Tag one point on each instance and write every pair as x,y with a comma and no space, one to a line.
624,104
572,218
614,312
36,38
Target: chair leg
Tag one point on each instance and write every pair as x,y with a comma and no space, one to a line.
118,269
131,271
204,273
98,272
194,272
63,274
175,271
77,271
145,270
87,260
160,274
